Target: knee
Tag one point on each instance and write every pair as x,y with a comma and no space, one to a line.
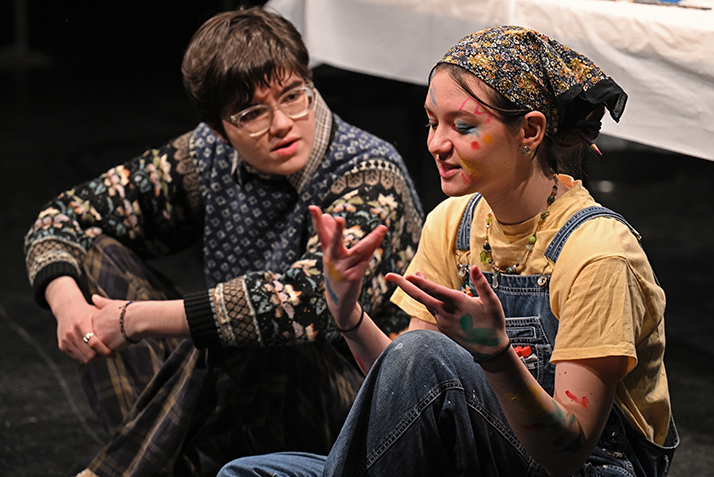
281,464
422,348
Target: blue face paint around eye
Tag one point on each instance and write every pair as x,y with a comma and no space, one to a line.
463,128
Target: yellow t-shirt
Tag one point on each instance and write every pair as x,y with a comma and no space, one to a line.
602,291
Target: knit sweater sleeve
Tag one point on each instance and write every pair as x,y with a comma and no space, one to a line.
266,308
151,203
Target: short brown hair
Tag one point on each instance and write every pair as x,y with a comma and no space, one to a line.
236,51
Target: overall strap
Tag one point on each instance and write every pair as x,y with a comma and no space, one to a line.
576,220
463,239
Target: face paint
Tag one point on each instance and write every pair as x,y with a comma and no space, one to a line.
471,166
466,129
480,110
432,98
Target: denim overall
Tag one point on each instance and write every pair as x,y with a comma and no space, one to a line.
530,322
427,409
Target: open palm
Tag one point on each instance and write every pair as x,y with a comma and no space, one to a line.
476,323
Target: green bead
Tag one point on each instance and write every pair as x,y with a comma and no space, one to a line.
484,257
511,270
532,239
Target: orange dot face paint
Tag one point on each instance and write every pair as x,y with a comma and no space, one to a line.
486,139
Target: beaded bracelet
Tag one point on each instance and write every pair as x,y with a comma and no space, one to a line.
121,324
361,317
494,355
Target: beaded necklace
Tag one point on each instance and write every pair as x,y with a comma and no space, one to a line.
487,254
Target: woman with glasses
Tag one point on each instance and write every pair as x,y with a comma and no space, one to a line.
542,324
254,363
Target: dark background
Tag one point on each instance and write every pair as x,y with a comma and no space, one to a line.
100,82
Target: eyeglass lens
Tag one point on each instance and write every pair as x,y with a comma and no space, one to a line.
295,103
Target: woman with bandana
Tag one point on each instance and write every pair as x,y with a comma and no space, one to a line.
538,337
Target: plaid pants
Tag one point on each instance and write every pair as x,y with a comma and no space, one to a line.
173,410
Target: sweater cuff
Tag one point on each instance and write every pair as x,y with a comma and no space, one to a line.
201,321
46,275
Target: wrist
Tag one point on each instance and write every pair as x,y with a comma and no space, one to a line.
156,319
481,358
122,324
62,291
356,318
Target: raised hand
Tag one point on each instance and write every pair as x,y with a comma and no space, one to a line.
343,268
476,323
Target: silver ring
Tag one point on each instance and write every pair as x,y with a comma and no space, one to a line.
87,336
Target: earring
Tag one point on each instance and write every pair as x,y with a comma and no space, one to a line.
525,150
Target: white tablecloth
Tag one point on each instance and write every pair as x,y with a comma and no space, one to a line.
663,56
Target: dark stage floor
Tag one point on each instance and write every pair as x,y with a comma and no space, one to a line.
71,120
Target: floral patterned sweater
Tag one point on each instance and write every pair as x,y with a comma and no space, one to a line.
262,259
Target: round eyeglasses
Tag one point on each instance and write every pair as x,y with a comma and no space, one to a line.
295,103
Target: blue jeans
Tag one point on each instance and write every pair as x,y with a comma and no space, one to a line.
279,464
426,409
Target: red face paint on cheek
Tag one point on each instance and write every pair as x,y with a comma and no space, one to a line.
475,145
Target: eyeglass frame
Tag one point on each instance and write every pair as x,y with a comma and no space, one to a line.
235,119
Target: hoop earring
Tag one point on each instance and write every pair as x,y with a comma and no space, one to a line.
525,150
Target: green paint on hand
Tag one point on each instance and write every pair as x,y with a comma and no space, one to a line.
478,336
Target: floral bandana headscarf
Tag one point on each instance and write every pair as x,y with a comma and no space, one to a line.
536,72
